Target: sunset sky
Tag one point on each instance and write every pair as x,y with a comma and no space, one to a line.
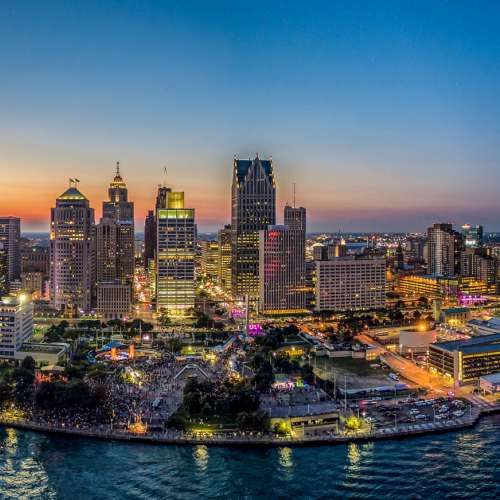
385,114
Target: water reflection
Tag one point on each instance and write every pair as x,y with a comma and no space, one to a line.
285,456
201,455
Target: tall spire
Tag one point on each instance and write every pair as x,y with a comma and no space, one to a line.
118,169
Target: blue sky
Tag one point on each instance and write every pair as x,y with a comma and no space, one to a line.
385,114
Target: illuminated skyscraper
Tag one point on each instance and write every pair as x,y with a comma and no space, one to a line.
253,209
444,246
282,286
121,211
71,249
10,238
473,235
225,258
175,252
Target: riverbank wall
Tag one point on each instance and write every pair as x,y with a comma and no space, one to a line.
171,438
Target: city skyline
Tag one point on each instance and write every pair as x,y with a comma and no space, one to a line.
371,111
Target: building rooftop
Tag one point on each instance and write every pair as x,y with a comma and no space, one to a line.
54,348
456,310
242,167
484,343
494,378
72,193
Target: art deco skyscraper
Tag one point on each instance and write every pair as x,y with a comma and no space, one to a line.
253,209
175,252
121,211
71,262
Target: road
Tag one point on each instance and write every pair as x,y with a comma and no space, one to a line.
435,384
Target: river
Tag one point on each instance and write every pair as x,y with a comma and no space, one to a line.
464,464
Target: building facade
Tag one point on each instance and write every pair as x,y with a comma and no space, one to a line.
175,254
444,247
10,238
16,325
253,208
472,235
149,237
71,252
114,300
350,284
225,258
282,280
210,258
121,211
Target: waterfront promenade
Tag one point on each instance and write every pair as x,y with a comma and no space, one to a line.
247,439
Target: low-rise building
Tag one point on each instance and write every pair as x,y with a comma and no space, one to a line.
114,300
490,383
455,316
466,360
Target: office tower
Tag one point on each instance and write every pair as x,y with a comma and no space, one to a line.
295,219
350,284
253,208
414,250
16,324
282,287
225,258
444,247
106,252
399,263
121,211
71,249
35,259
149,237
4,270
479,263
175,253
472,235
210,258
10,237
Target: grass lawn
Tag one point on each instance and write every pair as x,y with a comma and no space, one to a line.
360,367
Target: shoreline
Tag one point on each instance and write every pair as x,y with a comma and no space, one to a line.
254,441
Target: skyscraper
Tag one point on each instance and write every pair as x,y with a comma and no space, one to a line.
473,235
10,237
121,211
149,237
71,252
282,280
444,247
225,258
175,253
253,208
105,239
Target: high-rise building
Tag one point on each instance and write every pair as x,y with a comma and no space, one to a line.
253,208
225,258
444,249
4,270
350,283
71,252
35,259
149,237
106,241
210,258
472,235
282,286
121,211
16,324
175,253
10,237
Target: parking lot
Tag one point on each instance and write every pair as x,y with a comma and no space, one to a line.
411,410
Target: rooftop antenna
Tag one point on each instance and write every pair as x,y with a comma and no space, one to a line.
117,169
294,195
76,182
164,176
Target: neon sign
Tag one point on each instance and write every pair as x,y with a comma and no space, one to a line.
255,330
470,300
